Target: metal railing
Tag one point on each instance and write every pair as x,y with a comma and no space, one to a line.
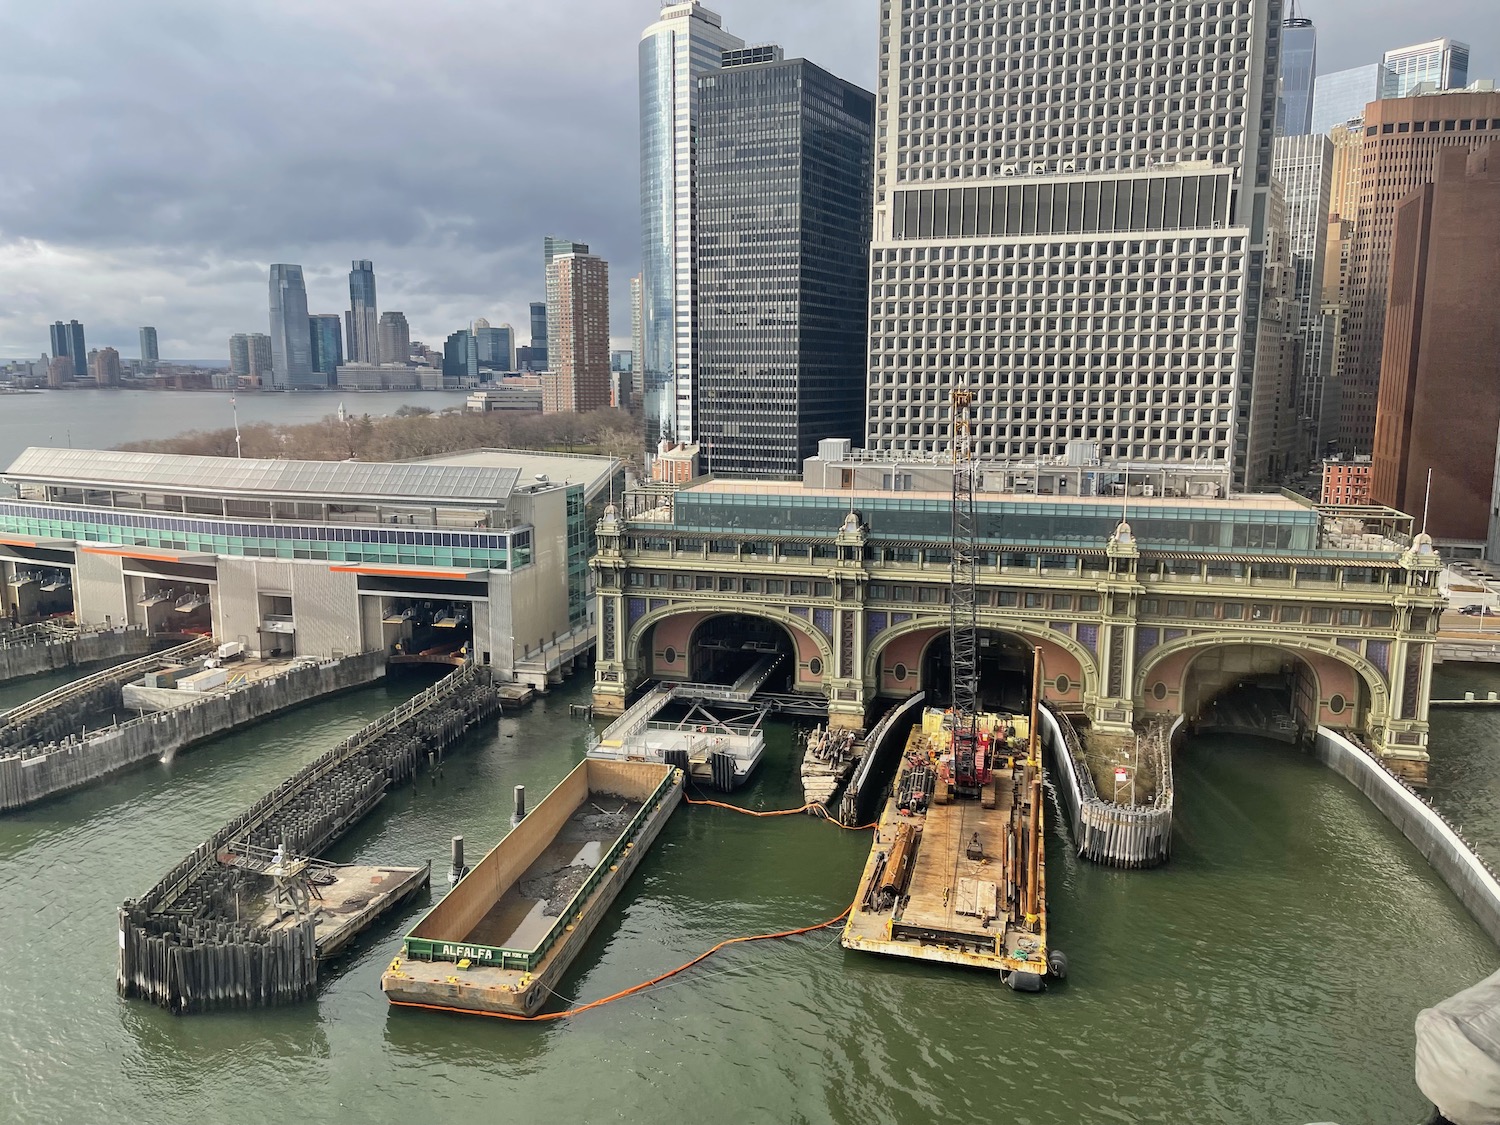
126,671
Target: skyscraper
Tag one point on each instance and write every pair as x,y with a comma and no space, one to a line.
1094,270
1439,406
1299,68
687,41
1403,138
250,355
1303,167
362,320
395,338
67,339
1442,64
327,344
1341,97
150,355
497,346
461,356
538,325
291,342
577,334
554,247
637,333
105,367
783,180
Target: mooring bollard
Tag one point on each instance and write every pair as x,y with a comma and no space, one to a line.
520,811
457,871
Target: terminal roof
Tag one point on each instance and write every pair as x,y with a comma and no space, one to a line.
431,482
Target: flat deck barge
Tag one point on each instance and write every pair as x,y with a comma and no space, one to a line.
957,874
507,932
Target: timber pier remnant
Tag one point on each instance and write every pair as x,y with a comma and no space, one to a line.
246,920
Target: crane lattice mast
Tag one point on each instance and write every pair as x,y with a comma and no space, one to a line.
963,623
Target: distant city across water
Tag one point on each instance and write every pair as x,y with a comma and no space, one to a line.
90,418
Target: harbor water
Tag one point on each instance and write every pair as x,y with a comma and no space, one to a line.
1270,973
94,418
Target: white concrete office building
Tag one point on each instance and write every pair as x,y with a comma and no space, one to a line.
1071,213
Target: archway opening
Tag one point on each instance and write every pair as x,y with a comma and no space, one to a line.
727,648
1253,688
1005,665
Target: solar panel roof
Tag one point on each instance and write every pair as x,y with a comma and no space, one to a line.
94,468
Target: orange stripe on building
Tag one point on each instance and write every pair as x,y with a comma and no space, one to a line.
134,553
14,542
401,572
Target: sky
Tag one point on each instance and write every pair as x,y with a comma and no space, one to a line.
160,154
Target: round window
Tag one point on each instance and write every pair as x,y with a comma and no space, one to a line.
1337,704
815,666
1063,685
899,673
1159,691
670,656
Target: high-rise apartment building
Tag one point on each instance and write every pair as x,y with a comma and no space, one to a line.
687,41
1299,68
1303,168
1087,261
104,366
327,338
1428,68
291,340
783,182
1341,97
1439,406
362,321
250,355
577,334
1399,152
394,334
67,339
637,332
554,247
150,353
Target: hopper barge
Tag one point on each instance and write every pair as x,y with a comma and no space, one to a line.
502,938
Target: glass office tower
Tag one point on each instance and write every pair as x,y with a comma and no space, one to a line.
327,344
784,206
150,353
1342,96
687,41
291,340
1299,66
364,321
1442,64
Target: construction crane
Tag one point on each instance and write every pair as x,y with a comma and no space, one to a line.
971,770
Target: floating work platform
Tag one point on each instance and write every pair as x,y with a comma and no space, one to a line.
343,900
956,874
712,751
507,932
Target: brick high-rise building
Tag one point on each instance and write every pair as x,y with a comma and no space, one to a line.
104,366
577,334
1403,138
1439,405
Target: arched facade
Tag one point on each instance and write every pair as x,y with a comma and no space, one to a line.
671,631
1344,680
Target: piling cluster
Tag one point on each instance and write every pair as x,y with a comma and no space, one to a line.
1108,833
182,945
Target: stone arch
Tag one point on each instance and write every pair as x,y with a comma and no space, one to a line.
1077,663
808,642
1339,674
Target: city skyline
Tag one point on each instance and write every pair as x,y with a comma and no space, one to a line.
70,246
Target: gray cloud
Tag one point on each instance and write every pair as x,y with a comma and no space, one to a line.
161,153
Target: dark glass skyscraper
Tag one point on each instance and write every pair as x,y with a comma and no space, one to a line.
1299,66
327,344
67,339
363,318
291,340
784,202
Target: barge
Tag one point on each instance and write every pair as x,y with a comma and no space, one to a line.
714,752
957,874
502,938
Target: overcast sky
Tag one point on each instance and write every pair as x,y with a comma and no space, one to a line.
159,154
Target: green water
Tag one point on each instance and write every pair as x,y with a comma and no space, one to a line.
1271,973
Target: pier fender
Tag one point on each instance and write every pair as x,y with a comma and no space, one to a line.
1057,965
1019,981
